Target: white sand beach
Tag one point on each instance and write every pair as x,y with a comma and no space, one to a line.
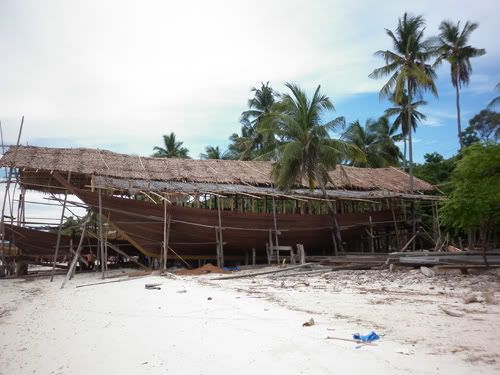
195,325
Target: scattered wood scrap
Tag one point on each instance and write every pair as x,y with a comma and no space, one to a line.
450,312
253,274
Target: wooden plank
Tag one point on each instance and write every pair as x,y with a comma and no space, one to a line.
263,272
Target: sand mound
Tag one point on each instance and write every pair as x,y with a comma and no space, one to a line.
207,268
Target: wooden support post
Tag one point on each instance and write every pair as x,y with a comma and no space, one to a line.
76,256
221,237
217,247
58,240
302,253
166,235
276,232
398,240
246,257
7,189
372,245
269,247
101,237
253,256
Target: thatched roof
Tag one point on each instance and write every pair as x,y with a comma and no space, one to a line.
88,162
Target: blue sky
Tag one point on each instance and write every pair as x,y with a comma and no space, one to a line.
119,74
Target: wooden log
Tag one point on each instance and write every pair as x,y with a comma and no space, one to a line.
77,255
112,281
263,272
58,240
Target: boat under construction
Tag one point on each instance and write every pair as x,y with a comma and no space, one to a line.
223,211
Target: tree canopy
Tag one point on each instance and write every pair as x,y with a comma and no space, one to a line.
172,148
474,201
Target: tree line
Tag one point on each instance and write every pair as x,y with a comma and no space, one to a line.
282,127
289,129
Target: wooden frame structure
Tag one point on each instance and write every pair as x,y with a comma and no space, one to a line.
112,184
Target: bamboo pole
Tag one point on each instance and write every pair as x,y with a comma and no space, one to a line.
166,237
398,240
372,245
76,256
58,240
221,241
101,239
7,186
276,232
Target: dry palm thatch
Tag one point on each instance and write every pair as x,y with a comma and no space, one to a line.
36,164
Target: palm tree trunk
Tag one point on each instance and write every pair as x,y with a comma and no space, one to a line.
458,117
404,153
410,151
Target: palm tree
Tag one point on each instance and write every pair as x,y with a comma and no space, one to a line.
261,141
214,153
495,101
172,149
240,146
307,152
402,111
376,140
407,67
453,48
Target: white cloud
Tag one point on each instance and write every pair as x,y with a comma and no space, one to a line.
433,122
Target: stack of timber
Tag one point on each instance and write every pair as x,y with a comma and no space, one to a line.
463,259
352,261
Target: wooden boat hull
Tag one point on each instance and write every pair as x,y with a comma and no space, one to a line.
193,230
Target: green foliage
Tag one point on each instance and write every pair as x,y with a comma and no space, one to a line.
214,153
436,170
496,101
402,110
307,151
407,63
486,125
474,202
257,141
377,140
469,136
453,48
407,68
172,148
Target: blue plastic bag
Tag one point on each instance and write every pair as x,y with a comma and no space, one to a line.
372,336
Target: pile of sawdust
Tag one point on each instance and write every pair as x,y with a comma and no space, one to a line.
207,268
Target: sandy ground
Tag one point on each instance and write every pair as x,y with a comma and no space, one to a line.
195,325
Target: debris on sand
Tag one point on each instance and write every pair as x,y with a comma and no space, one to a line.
152,286
207,268
471,299
427,271
450,312
309,323
139,273
489,297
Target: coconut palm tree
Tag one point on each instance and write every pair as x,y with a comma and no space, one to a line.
376,140
453,48
495,101
401,109
212,152
172,148
307,152
407,67
262,141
